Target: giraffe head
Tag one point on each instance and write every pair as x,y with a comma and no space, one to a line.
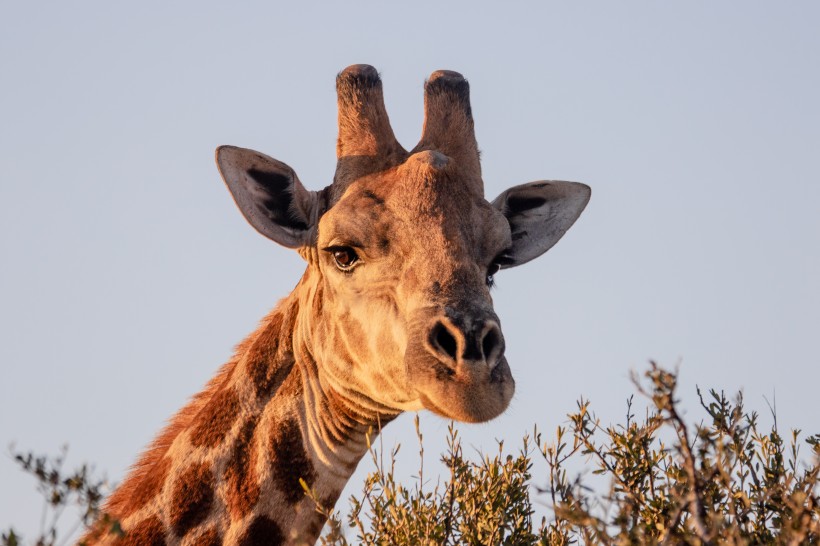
402,248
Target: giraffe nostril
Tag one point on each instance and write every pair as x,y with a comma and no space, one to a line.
444,341
489,342
492,345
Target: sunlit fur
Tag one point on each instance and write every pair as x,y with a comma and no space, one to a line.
384,308
408,325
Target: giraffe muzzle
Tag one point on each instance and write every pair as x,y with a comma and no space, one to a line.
456,363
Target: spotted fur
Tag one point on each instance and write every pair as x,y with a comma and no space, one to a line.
406,325
192,495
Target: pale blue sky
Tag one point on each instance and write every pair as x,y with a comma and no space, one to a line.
128,274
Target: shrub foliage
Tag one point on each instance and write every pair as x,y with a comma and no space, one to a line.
722,481
62,490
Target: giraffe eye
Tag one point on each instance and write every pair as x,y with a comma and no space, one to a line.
345,257
491,271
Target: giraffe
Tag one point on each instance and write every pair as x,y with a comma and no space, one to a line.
393,314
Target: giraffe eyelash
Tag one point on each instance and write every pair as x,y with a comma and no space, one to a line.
498,262
494,268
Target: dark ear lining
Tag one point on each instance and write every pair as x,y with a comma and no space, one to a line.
269,195
539,214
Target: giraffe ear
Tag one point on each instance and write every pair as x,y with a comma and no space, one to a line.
539,214
270,196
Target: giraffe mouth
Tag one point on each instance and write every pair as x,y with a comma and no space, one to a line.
455,362
467,397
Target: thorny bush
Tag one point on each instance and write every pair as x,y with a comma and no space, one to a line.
60,491
722,482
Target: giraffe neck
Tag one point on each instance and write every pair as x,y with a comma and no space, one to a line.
229,468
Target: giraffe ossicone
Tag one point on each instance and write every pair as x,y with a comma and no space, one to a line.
393,313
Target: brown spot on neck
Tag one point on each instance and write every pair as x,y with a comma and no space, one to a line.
215,420
191,498
269,355
289,460
314,527
242,486
263,530
268,372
